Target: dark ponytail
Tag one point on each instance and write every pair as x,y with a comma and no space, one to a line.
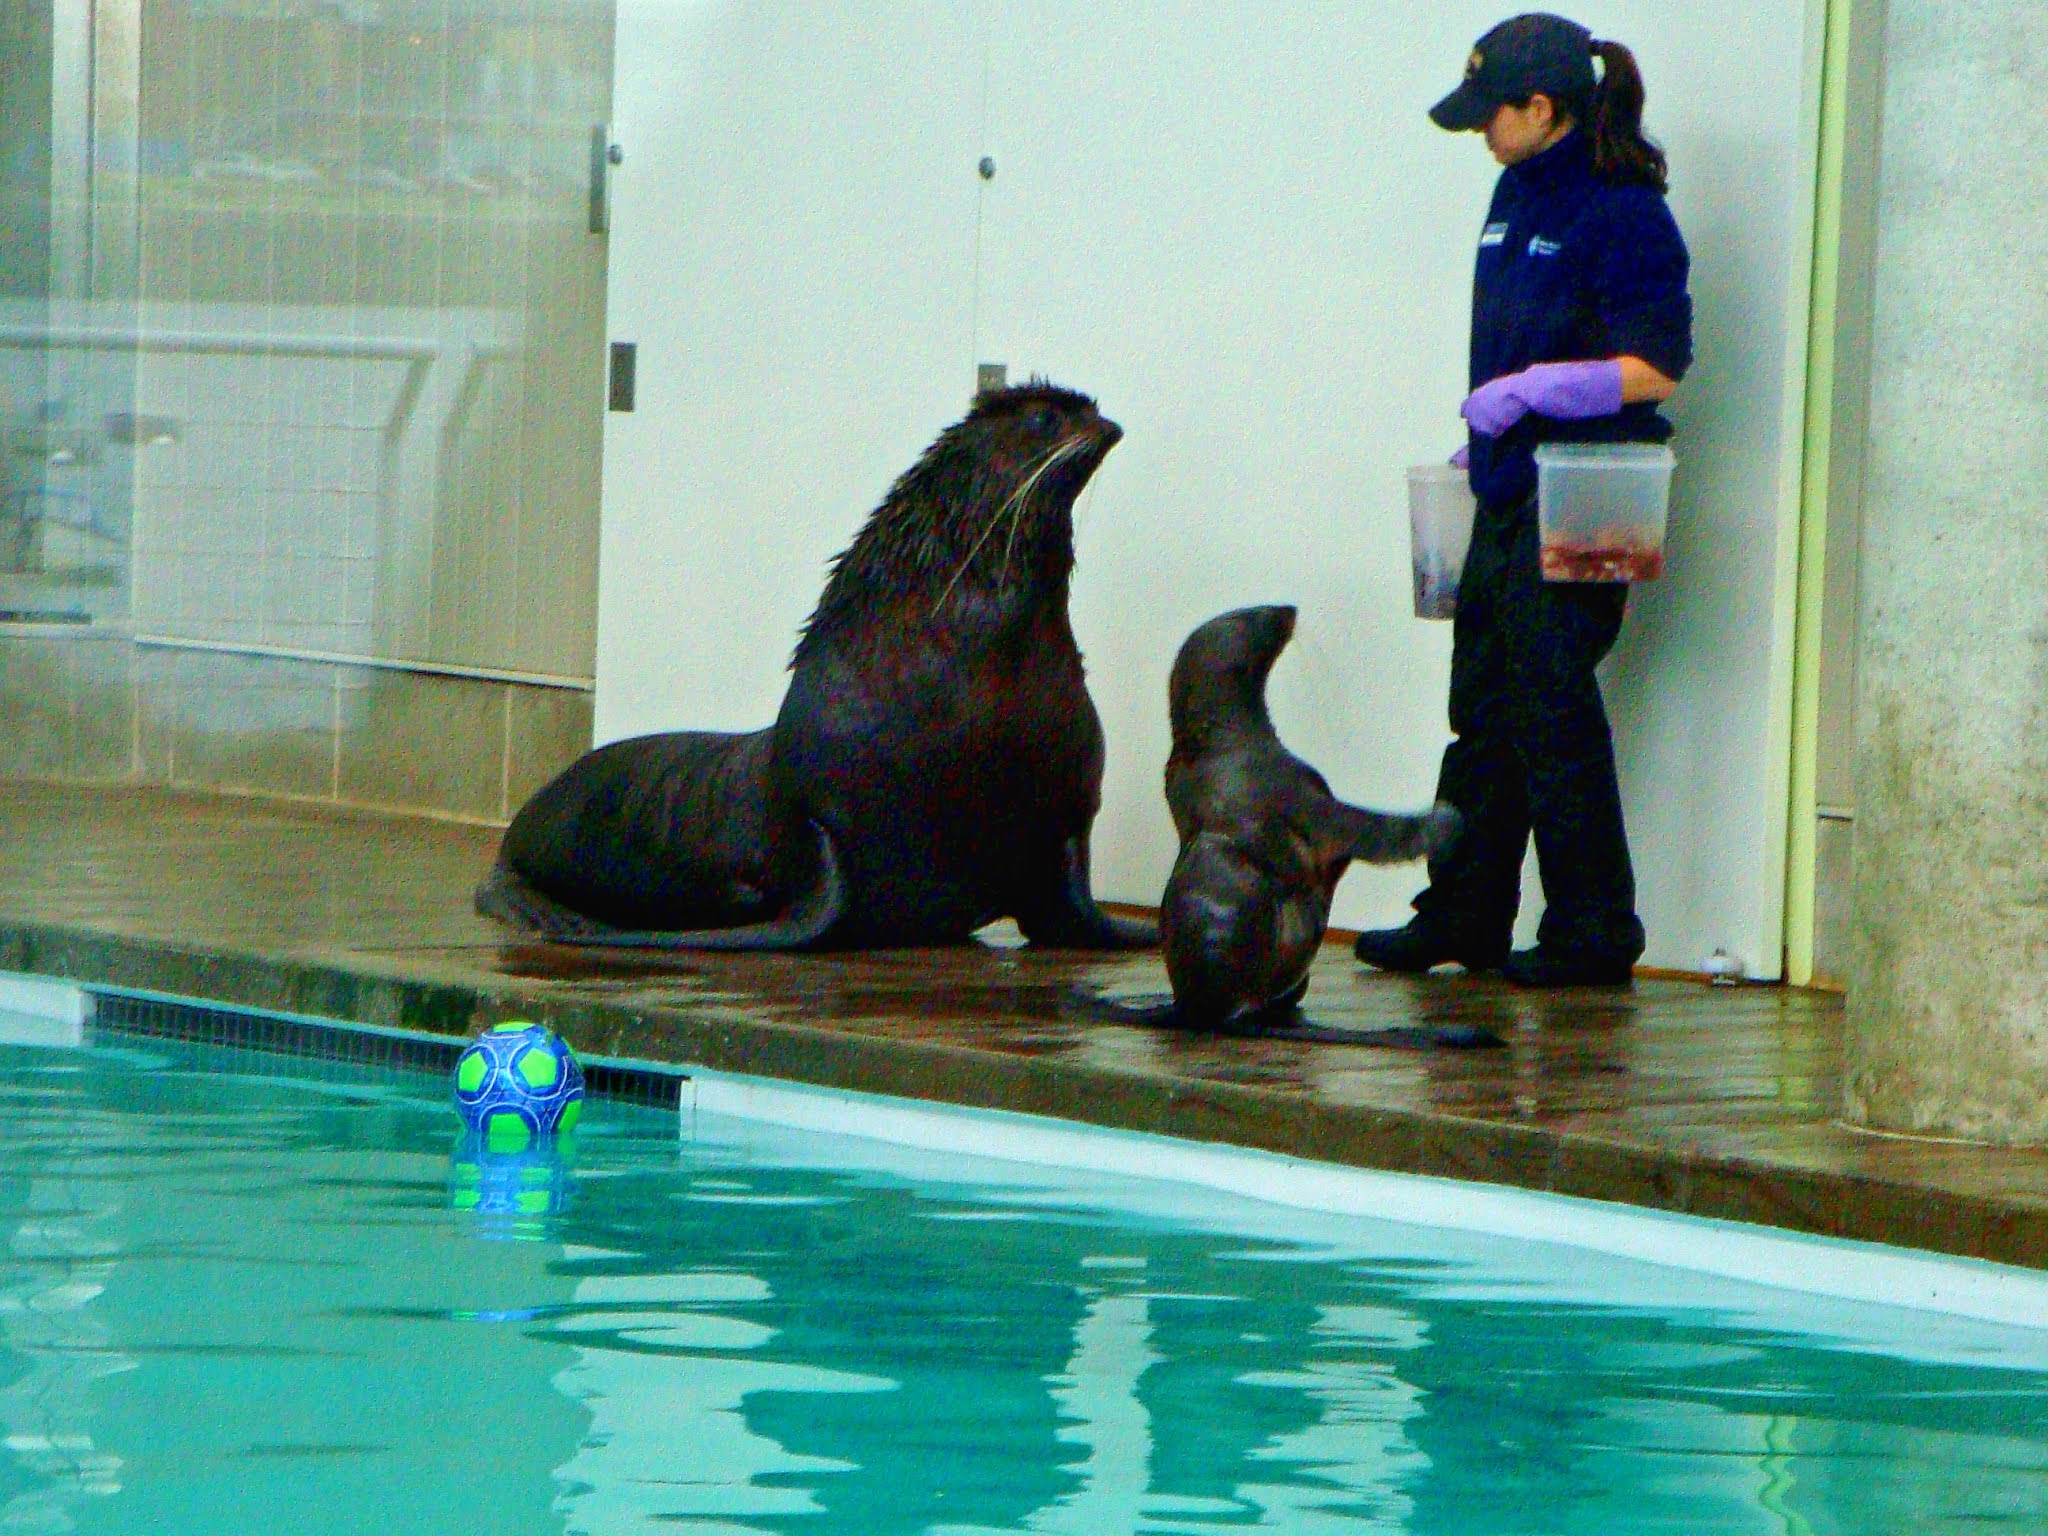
1614,117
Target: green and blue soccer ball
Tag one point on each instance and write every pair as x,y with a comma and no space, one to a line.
518,1084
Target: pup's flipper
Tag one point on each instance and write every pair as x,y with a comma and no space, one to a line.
809,919
1281,1022
1154,1009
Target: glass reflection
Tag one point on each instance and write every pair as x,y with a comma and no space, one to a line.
305,291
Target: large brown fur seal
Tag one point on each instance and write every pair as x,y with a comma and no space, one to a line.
1263,842
936,764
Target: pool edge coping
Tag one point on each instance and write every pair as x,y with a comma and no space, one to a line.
1775,1258
373,991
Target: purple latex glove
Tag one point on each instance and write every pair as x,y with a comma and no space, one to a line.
1462,459
1565,391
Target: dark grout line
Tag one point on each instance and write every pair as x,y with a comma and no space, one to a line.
165,1018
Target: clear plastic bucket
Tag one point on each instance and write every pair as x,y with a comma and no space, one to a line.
1440,531
1600,508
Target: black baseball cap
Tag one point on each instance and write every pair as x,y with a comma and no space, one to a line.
1522,57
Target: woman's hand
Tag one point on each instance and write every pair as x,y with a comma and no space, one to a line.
1640,381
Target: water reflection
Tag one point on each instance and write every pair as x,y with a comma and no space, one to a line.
1357,1459
1057,1371
1098,1395
511,1193
669,1445
225,1296
61,1255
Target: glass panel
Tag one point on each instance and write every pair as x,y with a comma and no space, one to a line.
323,325
68,333
63,515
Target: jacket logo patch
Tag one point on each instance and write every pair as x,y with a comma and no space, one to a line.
1494,234
1538,246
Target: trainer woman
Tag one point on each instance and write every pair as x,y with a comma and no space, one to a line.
1581,326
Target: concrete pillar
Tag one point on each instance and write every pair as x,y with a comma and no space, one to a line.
1948,1005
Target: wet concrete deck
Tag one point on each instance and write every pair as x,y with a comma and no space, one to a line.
1717,1101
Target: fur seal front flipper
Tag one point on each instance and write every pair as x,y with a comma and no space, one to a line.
1263,841
937,728
1073,920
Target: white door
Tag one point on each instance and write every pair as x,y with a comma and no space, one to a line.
792,247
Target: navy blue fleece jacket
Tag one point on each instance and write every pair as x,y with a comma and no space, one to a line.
1573,266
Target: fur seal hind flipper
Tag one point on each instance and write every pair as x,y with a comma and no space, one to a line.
1159,1011
810,918
1155,1009
506,896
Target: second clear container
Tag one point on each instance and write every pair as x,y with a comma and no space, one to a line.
1440,531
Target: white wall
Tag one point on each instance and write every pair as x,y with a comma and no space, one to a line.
1234,225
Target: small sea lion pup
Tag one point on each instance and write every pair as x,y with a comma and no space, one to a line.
936,764
1263,842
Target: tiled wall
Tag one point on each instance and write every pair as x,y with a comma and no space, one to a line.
100,709
343,404
258,521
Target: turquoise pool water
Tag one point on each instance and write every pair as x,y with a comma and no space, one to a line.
239,1295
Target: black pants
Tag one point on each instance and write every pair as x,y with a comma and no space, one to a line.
1533,754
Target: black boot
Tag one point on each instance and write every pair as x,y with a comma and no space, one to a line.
1550,966
1418,947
